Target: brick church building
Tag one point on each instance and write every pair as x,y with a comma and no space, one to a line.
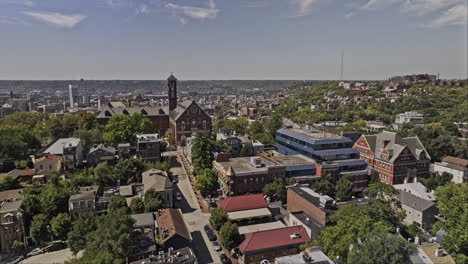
181,119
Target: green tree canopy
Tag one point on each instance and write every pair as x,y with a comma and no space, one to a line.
218,218
137,206
382,248
452,203
129,170
104,175
344,189
152,201
277,189
325,185
206,181
60,226
202,151
82,226
124,128
39,231
117,203
436,180
229,235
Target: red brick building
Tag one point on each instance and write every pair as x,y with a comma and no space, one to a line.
181,119
393,157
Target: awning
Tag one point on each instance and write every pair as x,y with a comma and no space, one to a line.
249,214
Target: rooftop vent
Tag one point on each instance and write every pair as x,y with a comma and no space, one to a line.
256,162
295,235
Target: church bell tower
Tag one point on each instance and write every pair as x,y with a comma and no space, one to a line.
172,85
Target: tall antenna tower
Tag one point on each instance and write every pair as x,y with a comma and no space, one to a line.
341,72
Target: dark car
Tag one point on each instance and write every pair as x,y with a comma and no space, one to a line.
225,259
207,229
211,236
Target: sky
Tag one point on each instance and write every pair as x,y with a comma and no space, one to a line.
231,39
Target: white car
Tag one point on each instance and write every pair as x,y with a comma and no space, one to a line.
35,252
216,246
178,196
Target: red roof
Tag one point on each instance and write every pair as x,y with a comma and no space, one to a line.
274,238
28,172
52,157
242,202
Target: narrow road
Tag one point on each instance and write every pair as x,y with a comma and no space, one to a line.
193,217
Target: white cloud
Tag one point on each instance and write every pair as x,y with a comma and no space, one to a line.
426,6
57,19
378,4
456,15
303,7
193,12
142,9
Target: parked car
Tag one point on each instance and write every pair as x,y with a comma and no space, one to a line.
35,252
178,196
225,259
207,229
211,236
216,246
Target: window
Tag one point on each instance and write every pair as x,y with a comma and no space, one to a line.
204,124
182,125
194,123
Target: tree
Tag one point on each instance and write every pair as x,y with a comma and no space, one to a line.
8,183
451,202
246,150
202,151
117,203
104,175
344,189
39,231
152,201
110,241
77,237
437,180
374,177
277,189
325,186
124,128
218,218
137,206
60,226
382,248
382,192
87,121
129,170
206,181
229,235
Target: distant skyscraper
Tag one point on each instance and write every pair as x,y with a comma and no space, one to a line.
73,93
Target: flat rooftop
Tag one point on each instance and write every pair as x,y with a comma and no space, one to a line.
249,214
313,134
260,227
243,165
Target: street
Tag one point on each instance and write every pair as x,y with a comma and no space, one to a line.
193,217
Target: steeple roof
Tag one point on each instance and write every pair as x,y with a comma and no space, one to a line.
172,78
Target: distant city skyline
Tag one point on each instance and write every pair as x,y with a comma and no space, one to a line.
231,40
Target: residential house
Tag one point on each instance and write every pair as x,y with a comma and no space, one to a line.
70,149
419,211
100,153
149,147
393,157
158,181
456,166
172,231
124,150
84,201
416,188
11,219
231,139
48,162
414,118
271,244
145,222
